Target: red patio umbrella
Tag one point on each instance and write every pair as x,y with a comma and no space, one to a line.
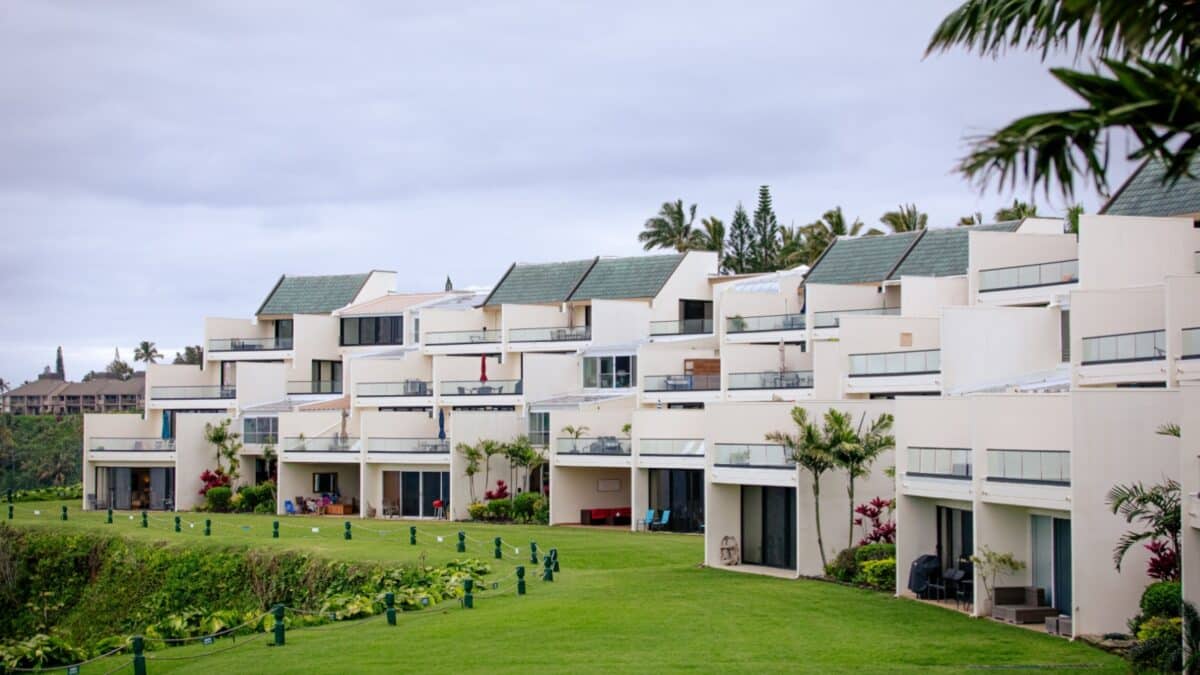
483,367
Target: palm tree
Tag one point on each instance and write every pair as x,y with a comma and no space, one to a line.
855,451
1018,211
712,238
5,387
146,352
575,432
671,228
191,356
1156,508
1143,82
971,220
809,448
905,219
1073,214
832,224
472,454
489,448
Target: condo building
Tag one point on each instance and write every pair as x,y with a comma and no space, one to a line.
1027,369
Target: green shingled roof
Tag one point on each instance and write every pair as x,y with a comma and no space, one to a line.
861,260
526,284
943,252
1144,194
624,278
312,295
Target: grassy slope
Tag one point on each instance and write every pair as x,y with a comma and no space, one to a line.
622,602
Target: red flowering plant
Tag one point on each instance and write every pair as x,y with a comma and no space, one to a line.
501,491
878,513
1164,561
212,479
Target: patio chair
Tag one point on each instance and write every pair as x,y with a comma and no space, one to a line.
649,518
301,504
288,507
662,522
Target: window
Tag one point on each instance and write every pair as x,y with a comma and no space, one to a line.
609,372
417,329
372,330
261,430
324,483
283,329
1064,318
539,428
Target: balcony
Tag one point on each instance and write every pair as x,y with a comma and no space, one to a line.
764,323
681,327
389,389
772,379
671,383
264,344
314,387
462,337
340,444
1191,344
408,450
940,462
146,444
559,334
1029,276
600,445
1125,348
193,393
477,388
921,362
832,318
1047,467
260,438
671,453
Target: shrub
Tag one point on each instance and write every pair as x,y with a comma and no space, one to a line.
478,511
266,508
541,513
1160,646
1163,598
499,509
844,567
219,499
45,494
874,552
524,505
879,574
1161,627
501,491
212,479
249,497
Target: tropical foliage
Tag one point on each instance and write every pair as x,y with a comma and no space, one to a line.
40,450
906,218
809,447
191,356
671,228
1156,510
146,352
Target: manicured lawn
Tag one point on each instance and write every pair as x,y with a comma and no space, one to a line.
622,602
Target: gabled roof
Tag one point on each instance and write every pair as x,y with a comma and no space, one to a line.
943,252
312,295
38,387
538,284
861,260
1145,194
627,278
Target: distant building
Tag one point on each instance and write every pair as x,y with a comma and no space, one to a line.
50,395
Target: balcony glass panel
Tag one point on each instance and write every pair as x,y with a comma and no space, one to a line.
549,334
320,444
680,447
403,388
132,445
477,388
772,379
408,445
950,462
758,324
758,455
314,387
682,382
896,363
249,344
681,327
830,319
1024,276
462,337
1142,346
597,445
1191,343
192,392
1030,466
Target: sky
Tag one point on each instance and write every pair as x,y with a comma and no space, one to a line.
162,163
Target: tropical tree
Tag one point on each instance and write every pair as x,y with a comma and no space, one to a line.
191,356
739,242
5,387
575,432
146,352
712,238
472,454
1144,80
822,232
119,367
855,450
58,364
1156,509
227,443
1073,214
671,228
520,455
1018,211
764,252
808,447
971,220
907,218
793,249
489,448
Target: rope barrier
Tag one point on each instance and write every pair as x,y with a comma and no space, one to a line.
221,633
73,665
211,652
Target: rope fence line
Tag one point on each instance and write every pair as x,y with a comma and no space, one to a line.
76,665
206,653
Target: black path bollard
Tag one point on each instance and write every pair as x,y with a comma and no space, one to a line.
520,580
145,520
275,529
533,553
468,598
10,511
412,535
347,535
139,657
498,554
548,569
390,601
207,527
64,513
462,542
277,610
554,557
177,527
108,521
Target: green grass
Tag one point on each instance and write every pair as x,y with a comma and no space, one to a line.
622,602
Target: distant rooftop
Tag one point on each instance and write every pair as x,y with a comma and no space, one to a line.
1145,194
861,260
312,295
595,278
943,252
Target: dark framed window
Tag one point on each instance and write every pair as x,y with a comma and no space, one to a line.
260,430
324,483
608,372
283,329
372,330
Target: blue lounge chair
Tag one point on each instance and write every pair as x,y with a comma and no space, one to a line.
662,523
649,518
288,507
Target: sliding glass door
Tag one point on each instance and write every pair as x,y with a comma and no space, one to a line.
420,489
769,526
682,492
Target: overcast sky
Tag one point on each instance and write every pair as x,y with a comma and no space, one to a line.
161,164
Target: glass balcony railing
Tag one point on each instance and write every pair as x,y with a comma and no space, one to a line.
831,319
772,379
1191,343
262,344
682,327
414,446
168,393
896,363
561,334
671,447
402,388
1030,466
314,387
754,455
942,462
477,388
1127,347
320,444
600,445
682,383
132,445
462,337
759,324
1029,276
